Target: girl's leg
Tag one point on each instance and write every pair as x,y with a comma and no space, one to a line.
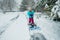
32,20
29,20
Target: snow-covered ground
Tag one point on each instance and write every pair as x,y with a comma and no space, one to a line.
50,29
13,26
6,20
17,30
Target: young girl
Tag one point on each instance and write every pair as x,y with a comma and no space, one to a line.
31,15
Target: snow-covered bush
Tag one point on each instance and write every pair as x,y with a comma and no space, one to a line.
56,10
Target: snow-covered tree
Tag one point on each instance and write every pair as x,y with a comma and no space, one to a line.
25,4
55,12
7,5
36,4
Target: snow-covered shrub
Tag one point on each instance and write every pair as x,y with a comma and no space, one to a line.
55,11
